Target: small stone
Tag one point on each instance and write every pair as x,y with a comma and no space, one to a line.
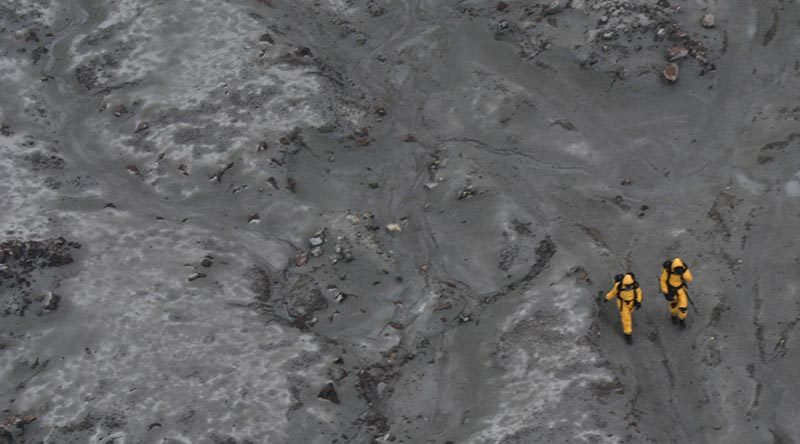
316,241
380,111
501,6
442,306
262,146
52,301
394,228
670,73
253,218
142,126
291,184
183,169
678,35
362,141
265,37
273,182
373,185
316,252
206,262
196,275
708,21
409,138
120,110
329,393
109,205
431,185
608,35
361,132
676,52
625,182
300,260
554,7
133,169
303,52
396,325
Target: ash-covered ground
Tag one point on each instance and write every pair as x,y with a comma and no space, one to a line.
357,221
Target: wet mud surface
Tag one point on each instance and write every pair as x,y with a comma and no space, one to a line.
357,221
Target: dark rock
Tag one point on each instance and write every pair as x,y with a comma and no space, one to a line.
52,301
206,262
329,393
265,37
303,52
6,130
273,182
396,325
253,218
373,185
554,7
409,139
501,6
142,126
120,110
262,146
109,205
362,141
183,169
625,182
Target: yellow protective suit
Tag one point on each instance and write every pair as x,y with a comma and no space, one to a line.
674,276
628,296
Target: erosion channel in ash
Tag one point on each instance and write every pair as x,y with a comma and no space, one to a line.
356,221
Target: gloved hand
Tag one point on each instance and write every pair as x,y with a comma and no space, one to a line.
669,297
637,305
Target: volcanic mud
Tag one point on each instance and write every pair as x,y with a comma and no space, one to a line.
357,221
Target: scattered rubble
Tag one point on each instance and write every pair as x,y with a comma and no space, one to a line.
22,257
467,192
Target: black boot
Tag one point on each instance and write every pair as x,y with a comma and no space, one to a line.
629,339
674,319
683,323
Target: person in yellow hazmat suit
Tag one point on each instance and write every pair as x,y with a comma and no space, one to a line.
674,277
629,298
